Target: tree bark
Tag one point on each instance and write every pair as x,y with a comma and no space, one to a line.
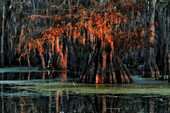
163,35
2,37
28,60
150,66
43,62
105,66
169,67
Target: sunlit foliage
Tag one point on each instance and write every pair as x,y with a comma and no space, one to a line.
111,23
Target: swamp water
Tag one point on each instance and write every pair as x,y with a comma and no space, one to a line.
34,91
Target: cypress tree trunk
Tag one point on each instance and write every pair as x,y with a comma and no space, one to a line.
163,35
169,67
43,62
72,60
105,66
28,60
150,66
168,38
2,37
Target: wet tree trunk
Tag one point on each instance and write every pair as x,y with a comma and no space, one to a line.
105,66
150,66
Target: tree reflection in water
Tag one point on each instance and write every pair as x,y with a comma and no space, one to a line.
66,102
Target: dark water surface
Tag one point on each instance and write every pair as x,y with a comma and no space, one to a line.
24,91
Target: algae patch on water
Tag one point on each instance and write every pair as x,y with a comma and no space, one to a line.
141,86
77,88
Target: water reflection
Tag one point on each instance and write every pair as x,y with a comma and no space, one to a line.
58,101
85,103
46,75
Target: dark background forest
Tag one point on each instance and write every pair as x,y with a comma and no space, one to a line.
17,29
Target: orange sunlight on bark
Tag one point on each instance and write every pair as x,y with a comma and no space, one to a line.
97,79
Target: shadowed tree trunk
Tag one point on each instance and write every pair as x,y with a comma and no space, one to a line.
168,38
163,35
150,66
2,37
72,60
169,67
105,66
